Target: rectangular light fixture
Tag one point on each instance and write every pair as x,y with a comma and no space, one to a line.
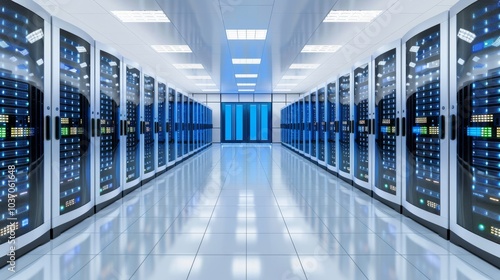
303,66
246,60
290,77
188,66
246,76
246,34
81,49
206,85
35,36
321,48
246,84
466,35
141,16
282,90
352,16
246,90
211,90
202,77
286,85
172,48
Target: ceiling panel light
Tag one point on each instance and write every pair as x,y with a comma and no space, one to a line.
202,77
246,60
206,85
246,90
466,35
188,66
34,36
321,48
286,85
211,90
246,75
289,77
246,84
352,16
303,66
141,16
246,34
282,90
172,48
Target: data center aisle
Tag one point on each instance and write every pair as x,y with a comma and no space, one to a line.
248,212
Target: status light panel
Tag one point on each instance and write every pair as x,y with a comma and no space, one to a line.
478,141
332,121
385,114
21,120
423,111
110,119
149,137
162,121
345,123
133,124
362,123
74,97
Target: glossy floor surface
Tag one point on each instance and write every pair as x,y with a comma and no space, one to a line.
249,212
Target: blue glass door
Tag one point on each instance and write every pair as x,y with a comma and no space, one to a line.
246,122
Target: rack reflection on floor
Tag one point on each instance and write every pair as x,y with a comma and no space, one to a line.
248,212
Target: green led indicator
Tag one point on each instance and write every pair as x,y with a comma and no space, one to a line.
64,131
481,227
3,132
62,207
422,201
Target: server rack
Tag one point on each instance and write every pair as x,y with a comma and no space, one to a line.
362,110
190,125
74,126
178,126
333,125
109,140
161,127
425,64
307,125
345,133
148,119
209,126
474,87
322,126
171,126
24,127
196,121
185,126
296,128
313,127
300,105
132,103
386,67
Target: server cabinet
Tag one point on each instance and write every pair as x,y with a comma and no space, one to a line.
322,126
171,131
475,91
425,64
297,124
313,127
24,127
197,115
190,125
132,86
301,126
307,126
386,65
74,126
178,126
109,140
345,133
185,126
362,132
161,127
148,137
333,124
210,126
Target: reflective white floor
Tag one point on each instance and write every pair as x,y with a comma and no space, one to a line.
249,212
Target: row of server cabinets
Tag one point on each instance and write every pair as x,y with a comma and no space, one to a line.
418,126
79,126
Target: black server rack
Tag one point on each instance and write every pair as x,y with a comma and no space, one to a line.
344,85
132,85
75,128
147,129
475,85
301,125
426,107
161,128
322,126
331,113
307,125
190,125
313,127
178,126
387,148
108,184
24,121
171,131
185,126
362,128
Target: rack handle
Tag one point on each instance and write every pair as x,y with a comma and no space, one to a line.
443,126
453,127
403,127
58,127
47,127
98,132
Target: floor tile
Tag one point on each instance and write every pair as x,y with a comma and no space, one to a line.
319,267
160,267
269,244
223,244
178,244
274,267
227,225
218,267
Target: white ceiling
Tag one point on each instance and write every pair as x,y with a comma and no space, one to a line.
201,24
